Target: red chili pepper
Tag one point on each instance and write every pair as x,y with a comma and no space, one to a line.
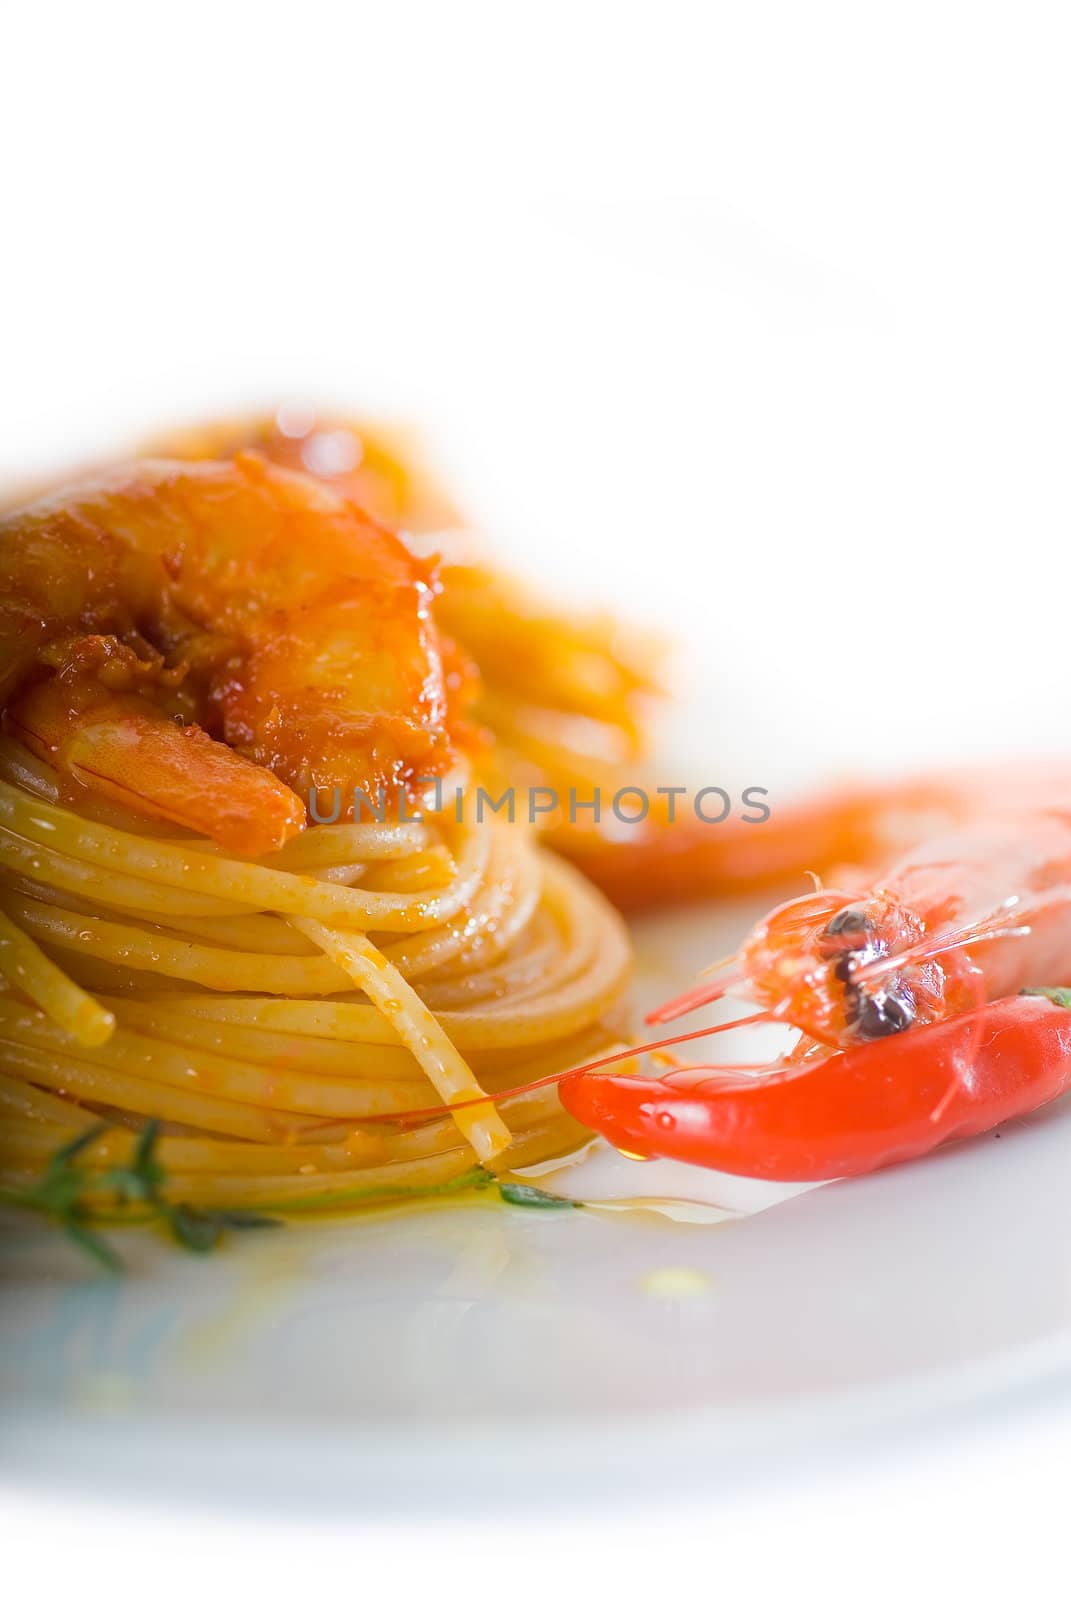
863,1108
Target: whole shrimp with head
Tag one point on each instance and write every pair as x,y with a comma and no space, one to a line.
890,987
207,643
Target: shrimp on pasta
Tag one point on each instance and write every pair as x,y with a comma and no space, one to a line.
208,643
188,650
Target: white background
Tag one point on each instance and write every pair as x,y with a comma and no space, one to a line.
754,318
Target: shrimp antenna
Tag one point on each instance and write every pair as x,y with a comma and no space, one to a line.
1004,924
427,1113
719,965
704,995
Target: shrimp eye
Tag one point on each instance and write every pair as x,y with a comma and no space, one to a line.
848,937
875,1016
850,922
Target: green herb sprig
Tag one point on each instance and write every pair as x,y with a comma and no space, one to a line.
1059,997
65,1188
523,1194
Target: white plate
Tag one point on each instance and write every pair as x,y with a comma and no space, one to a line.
420,1357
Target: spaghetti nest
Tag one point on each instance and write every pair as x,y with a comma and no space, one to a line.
284,1017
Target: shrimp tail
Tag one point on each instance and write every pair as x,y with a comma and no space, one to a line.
124,749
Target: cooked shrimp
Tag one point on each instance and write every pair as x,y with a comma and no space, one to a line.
990,891
906,997
567,696
290,629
